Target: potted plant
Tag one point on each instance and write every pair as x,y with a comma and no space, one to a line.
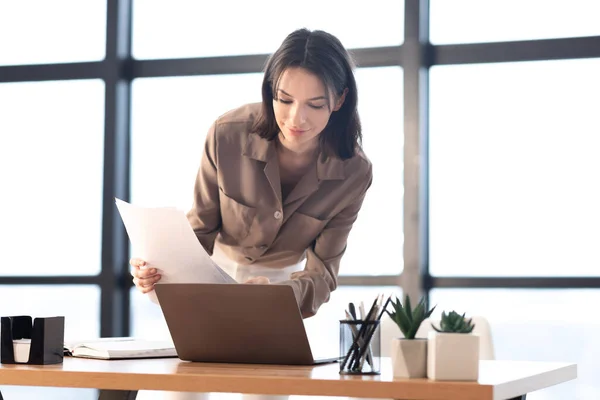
409,354
452,349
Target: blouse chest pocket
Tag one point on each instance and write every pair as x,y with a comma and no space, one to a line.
237,218
302,229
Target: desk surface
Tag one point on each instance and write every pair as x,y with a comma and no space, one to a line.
498,379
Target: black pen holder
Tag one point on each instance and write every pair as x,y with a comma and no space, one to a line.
360,347
46,336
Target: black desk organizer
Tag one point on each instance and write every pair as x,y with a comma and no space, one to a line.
47,338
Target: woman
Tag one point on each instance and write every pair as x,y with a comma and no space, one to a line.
281,182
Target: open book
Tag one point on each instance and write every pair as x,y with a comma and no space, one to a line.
120,348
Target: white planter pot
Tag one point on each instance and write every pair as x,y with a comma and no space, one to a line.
409,358
452,356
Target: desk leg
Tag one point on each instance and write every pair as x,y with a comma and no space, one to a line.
116,395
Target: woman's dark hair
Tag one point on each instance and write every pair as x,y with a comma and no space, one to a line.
323,55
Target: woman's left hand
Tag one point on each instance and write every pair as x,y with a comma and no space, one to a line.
259,280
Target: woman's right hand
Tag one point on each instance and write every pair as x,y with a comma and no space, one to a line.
143,278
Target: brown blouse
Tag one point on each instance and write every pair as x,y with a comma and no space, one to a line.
238,202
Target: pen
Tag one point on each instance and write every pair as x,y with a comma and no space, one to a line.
352,310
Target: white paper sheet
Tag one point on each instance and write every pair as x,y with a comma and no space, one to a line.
163,237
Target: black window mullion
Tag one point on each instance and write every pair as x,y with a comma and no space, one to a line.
115,299
514,282
525,50
415,62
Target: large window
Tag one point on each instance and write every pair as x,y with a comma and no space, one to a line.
379,224
475,21
484,154
51,155
170,120
46,32
191,28
513,169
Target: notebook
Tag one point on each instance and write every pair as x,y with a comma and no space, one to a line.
121,348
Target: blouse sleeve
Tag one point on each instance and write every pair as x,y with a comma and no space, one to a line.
205,214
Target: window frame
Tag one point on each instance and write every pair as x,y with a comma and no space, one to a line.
415,56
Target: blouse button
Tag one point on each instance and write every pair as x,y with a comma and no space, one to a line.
277,214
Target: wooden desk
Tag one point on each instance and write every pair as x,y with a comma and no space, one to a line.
122,379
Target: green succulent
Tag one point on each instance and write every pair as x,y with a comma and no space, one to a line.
407,318
453,322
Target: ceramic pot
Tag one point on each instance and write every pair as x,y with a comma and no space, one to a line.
452,356
409,358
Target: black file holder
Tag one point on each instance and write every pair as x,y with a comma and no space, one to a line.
47,338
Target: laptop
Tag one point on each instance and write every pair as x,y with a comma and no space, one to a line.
237,323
